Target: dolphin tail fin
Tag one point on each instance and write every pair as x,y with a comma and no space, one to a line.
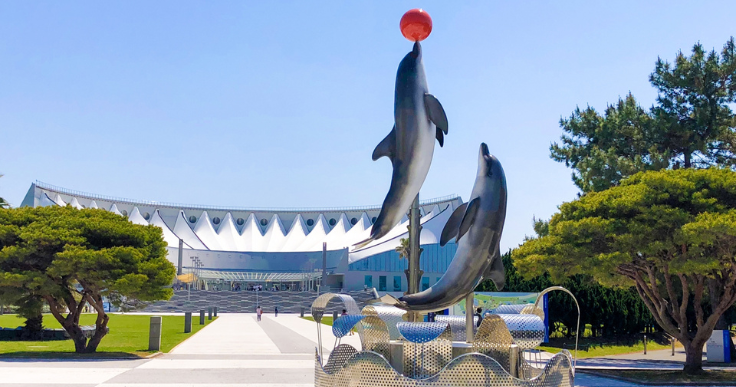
496,272
436,112
363,243
453,224
387,146
388,299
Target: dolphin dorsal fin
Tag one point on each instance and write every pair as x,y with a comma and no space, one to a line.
496,272
436,112
453,224
469,217
387,146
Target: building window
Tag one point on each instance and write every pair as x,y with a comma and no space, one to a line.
369,281
353,221
192,219
240,221
332,222
425,283
397,283
124,212
146,216
382,283
216,220
310,222
264,222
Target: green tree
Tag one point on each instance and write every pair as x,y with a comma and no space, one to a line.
70,258
669,233
3,202
403,248
691,124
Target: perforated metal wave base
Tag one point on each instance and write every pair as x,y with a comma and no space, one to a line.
369,369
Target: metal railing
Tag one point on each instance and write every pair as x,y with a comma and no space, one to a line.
86,195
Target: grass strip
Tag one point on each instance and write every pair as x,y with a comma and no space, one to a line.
128,337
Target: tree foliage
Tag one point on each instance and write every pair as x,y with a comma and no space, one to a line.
691,124
69,257
3,203
608,311
671,234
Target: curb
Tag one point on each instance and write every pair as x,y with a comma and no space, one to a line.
595,372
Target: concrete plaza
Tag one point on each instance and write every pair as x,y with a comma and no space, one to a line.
235,350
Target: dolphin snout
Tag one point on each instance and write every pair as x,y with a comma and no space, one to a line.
416,52
484,149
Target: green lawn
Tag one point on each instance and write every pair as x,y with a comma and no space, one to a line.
598,350
128,336
327,320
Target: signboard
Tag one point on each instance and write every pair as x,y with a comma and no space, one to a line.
488,301
717,350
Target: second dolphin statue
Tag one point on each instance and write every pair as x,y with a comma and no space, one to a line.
418,119
477,226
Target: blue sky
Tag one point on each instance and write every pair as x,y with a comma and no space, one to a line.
280,103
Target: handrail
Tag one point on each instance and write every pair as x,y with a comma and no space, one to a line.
86,195
577,330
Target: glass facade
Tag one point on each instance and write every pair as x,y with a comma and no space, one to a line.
397,283
434,259
425,283
369,281
382,283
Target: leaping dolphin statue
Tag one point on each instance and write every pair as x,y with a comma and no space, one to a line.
418,119
477,226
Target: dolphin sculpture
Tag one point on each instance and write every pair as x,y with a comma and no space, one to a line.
477,227
418,119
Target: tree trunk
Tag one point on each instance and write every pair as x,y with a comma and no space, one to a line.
80,342
693,358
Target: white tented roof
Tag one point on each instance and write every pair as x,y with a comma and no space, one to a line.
137,218
257,230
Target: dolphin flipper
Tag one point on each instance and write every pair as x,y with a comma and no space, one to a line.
386,147
469,217
453,224
440,137
496,272
435,112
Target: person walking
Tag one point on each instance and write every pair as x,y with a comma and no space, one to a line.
276,311
259,312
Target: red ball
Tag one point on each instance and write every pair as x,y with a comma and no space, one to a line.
416,24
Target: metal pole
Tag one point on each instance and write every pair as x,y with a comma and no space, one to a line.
672,340
645,344
181,257
469,323
415,274
324,262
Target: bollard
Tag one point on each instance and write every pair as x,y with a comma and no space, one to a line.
302,312
645,344
514,360
154,334
201,317
673,346
334,316
215,308
187,322
209,313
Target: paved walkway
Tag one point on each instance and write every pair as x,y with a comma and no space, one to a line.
235,350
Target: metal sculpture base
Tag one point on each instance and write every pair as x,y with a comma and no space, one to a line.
406,354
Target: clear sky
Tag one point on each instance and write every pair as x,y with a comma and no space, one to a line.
276,103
